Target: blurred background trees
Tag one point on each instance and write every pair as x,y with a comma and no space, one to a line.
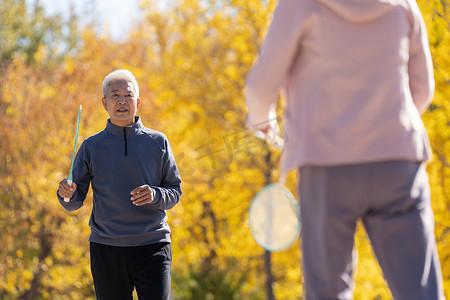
190,59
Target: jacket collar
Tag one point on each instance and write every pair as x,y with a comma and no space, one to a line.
119,131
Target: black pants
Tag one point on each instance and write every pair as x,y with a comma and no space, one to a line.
118,270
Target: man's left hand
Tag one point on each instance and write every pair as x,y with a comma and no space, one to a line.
142,195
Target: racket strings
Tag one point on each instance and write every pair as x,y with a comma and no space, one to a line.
274,218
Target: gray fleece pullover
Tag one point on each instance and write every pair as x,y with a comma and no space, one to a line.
115,161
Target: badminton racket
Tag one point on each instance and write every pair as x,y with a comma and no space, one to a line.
70,179
274,218
271,132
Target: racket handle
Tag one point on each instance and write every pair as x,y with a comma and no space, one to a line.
272,137
69,181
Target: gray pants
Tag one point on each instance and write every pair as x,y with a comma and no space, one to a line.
392,199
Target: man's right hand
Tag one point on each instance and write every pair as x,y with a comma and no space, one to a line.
65,190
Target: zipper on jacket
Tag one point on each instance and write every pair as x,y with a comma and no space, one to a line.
125,139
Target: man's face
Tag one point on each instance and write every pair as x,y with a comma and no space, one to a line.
121,103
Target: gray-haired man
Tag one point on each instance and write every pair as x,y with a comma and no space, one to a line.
134,180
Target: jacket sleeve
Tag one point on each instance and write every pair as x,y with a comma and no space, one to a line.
168,194
278,52
82,177
420,65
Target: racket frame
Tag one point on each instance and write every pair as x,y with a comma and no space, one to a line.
69,179
295,206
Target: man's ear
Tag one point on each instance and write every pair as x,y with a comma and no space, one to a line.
104,102
138,102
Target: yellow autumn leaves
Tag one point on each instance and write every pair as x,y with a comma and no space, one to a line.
190,59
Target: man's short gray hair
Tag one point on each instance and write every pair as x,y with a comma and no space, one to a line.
121,74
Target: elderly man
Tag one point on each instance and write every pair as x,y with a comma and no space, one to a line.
134,180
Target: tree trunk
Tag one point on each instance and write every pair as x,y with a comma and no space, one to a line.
268,254
46,242
46,249
269,277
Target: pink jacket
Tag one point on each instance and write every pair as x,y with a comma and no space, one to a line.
356,76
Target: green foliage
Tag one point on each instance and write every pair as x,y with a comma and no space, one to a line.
29,32
208,284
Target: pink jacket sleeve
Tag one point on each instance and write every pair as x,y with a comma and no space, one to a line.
276,57
420,66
